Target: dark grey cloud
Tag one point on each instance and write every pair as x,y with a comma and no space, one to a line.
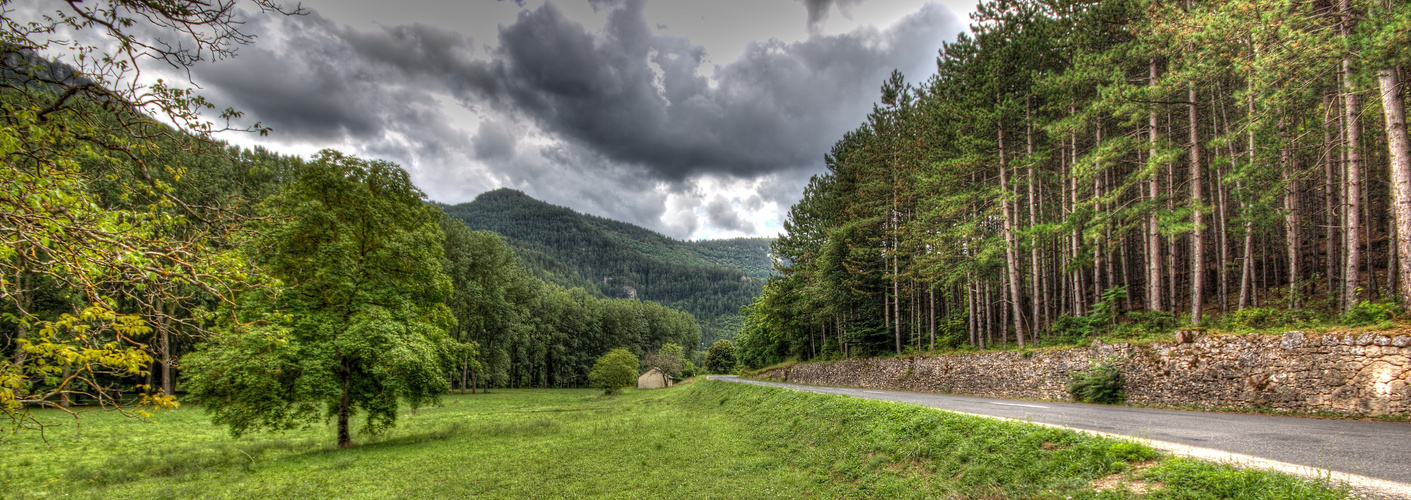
328,84
620,122
777,107
493,141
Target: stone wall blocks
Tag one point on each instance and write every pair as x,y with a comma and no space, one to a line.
1295,371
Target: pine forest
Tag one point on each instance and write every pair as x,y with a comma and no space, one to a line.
1075,167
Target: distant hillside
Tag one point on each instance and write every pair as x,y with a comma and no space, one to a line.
709,279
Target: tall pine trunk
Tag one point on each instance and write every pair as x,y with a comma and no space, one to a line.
1352,107
1399,155
1197,216
1011,245
1153,229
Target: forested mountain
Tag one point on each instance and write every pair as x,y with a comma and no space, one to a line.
1077,164
709,279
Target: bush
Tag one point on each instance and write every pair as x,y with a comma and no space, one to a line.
1152,321
1366,313
1075,326
689,371
1268,317
615,370
1101,383
721,357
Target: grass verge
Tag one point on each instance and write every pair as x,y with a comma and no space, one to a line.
703,440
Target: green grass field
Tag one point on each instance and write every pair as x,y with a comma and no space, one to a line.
702,440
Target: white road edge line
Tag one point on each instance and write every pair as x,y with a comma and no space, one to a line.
1361,484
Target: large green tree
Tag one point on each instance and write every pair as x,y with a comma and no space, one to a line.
361,326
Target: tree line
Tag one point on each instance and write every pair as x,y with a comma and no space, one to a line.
1076,163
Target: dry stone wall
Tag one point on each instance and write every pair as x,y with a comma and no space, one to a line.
1356,373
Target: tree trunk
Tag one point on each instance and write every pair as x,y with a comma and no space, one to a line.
973,310
1246,263
932,288
896,296
1291,229
1153,230
1011,246
1247,266
1399,155
1197,216
1351,110
345,439
1035,296
168,384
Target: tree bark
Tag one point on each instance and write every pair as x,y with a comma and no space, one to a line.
164,324
1153,230
345,439
1035,274
1011,245
1197,216
1399,155
1352,270
932,288
1291,228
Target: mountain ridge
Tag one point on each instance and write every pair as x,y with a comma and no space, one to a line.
710,279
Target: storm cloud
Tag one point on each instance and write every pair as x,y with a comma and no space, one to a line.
624,121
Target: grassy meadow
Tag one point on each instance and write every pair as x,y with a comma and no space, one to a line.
701,440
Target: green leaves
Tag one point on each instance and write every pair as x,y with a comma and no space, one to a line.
614,371
366,327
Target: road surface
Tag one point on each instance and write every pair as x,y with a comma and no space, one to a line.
1378,450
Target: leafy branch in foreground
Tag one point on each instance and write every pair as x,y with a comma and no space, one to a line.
92,219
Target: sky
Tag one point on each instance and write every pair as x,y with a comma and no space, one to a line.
697,119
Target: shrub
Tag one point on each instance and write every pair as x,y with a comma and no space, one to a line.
689,371
721,357
1077,326
1267,317
1152,321
1101,383
613,371
952,332
1366,313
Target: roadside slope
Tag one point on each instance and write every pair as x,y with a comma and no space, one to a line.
1373,449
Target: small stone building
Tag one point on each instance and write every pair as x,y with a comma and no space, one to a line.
654,379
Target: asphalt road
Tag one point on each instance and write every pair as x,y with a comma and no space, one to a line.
1380,450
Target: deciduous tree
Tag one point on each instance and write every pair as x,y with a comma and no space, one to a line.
361,326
